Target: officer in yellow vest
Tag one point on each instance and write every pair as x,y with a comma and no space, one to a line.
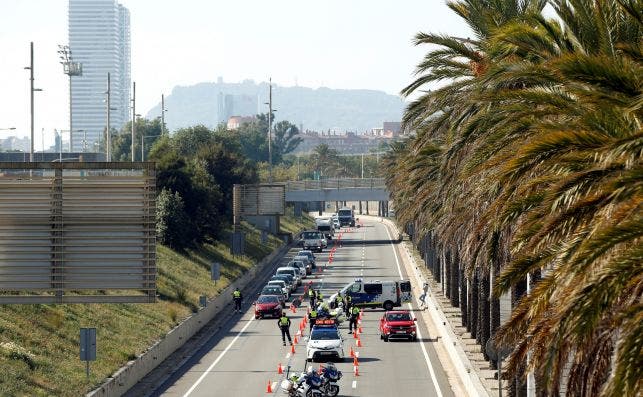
284,326
339,299
312,316
237,298
352,323
348,302
312,295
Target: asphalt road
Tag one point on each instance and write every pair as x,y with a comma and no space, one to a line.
242,358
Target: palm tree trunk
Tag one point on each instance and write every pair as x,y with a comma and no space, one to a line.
455,275
447,275
494,309
473,307
463,298
484,321
518,386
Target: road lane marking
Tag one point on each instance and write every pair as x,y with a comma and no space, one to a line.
207,371
354,384
287,356
419,334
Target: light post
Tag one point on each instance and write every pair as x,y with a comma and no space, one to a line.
163,110
108,139
133,116
270,110
70,68
8,129
31,91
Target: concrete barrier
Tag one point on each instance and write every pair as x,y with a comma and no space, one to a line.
126,377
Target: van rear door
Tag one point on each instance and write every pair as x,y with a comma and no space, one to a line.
405,291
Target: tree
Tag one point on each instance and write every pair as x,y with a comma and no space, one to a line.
325,160
149,130
285,140
172,222
254,139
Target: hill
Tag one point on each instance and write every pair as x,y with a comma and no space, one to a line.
318,109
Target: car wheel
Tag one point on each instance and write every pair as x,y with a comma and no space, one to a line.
381,337
388,305
333,390
415,338
385,338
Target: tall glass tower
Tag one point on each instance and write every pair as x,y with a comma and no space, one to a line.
99,38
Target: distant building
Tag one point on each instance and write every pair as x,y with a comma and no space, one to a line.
391,128
13,143
235,122
230,105
99,38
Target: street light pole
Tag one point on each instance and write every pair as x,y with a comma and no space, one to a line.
108,151
270,131
163,110
70,68
133,116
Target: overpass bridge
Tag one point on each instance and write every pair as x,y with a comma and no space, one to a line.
342,189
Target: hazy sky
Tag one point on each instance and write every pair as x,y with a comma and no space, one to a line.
332,43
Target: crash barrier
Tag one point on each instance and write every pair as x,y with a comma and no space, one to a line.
126,377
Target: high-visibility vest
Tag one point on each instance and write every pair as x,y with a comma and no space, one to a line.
355,310
236,294
319,295
313,314
311,293
283,321
339,298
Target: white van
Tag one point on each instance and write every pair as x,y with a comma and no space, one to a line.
293,271
385,294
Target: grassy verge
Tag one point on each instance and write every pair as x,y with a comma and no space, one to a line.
39,353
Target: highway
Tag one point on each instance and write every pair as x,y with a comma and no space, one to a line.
242,358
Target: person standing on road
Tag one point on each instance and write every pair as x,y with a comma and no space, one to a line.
339,299
237,298
311,296
352,322
284,326
425,291
348,302
312,316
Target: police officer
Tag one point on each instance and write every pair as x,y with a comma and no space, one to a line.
312,316
237,298
348,302
284,326
312,296
352,322
339,299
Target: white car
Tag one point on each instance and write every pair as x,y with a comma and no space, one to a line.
325,342
293,271
282,285
299,265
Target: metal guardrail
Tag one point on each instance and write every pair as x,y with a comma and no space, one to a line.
343,183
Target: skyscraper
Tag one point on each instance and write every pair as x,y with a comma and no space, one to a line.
99,38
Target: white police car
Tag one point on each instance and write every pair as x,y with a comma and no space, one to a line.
325,342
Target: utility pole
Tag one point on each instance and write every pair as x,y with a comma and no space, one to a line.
70,68
163,110
133,116
270,132
31,92
362,166
108,151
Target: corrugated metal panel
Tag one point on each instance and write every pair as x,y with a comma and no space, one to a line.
77,227
261,199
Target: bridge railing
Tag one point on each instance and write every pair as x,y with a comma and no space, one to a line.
340,183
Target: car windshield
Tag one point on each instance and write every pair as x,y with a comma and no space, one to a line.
271,291
344,213
277,282
284,271
324,334
398,317
267,299
311,235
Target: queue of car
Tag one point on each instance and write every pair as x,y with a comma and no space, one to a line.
280,287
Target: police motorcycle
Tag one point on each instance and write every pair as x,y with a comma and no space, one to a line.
307,384
336,313
330,376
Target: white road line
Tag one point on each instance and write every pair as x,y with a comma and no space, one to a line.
288,356
354,384
426,355
207,371
274,385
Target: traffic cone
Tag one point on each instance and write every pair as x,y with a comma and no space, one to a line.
355,334
355,362
356,371
269,389
296,340
280,369
352,353
359,342
292,349
360,330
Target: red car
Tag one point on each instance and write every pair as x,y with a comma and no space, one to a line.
398,324
267,305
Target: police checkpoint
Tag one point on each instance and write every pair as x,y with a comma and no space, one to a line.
335,316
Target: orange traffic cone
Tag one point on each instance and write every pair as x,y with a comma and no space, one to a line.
355,362
280,369
356,371
359,342
355,334
352,353
292,349
269,389
296,341
360,330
